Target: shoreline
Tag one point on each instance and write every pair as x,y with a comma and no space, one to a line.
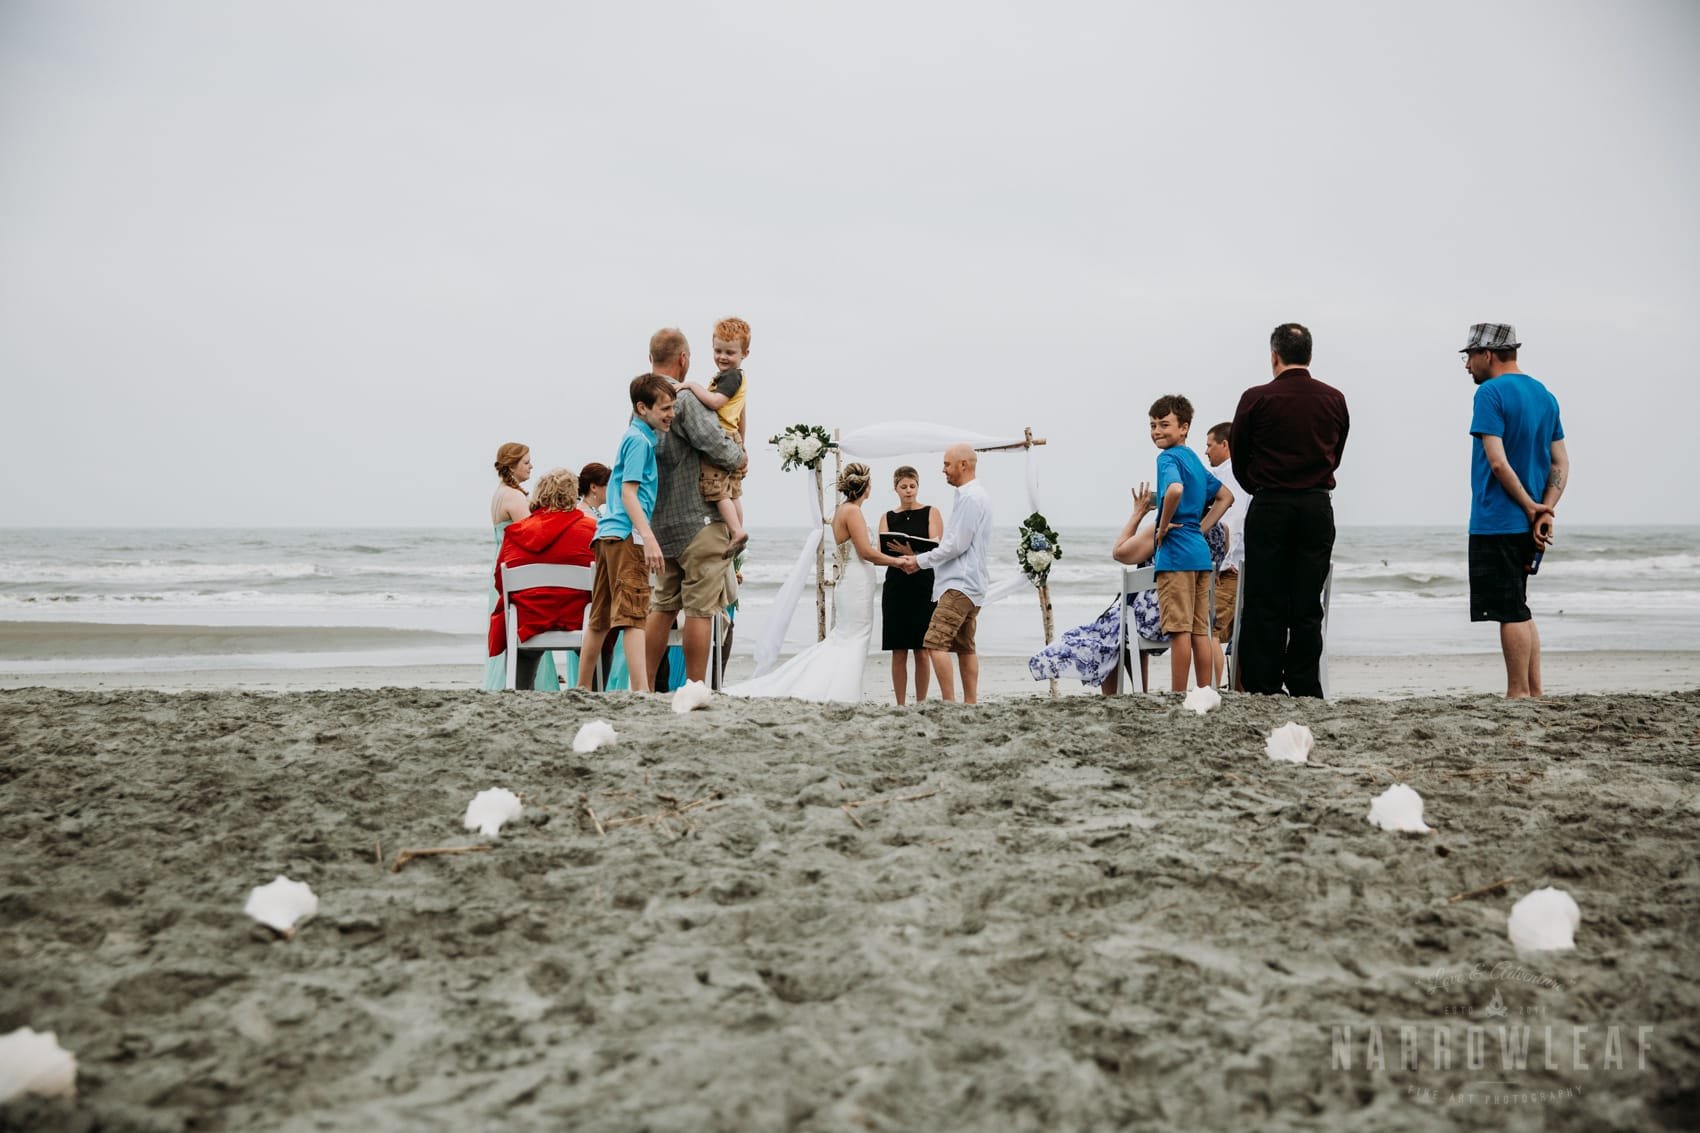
1002,678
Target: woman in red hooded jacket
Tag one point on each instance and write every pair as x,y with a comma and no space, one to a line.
556,531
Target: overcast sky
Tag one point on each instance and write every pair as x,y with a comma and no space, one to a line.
310,263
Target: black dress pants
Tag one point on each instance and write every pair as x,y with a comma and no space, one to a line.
1289,543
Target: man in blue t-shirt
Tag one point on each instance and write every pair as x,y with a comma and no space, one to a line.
1518,469
1182,560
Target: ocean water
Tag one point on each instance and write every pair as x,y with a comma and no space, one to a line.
1396,590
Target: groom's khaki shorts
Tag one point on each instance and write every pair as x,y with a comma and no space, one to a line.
952,627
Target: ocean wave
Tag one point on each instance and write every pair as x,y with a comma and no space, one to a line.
480,570
195,599
160,570
1572,601
1087,572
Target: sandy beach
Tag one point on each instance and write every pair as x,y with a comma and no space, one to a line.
1083,914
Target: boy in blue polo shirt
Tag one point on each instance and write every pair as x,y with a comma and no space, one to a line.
625,548
1183,564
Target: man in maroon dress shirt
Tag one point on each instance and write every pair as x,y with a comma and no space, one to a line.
1288,438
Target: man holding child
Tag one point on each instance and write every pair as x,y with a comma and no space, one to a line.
694,542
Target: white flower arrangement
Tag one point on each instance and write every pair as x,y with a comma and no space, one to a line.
801,446
1037,548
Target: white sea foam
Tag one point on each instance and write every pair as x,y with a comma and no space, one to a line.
130,572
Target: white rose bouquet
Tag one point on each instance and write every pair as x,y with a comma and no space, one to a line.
801,446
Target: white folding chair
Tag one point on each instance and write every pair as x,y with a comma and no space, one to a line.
537,576
1234,646
1135,580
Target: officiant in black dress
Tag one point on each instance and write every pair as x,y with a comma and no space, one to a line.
906,601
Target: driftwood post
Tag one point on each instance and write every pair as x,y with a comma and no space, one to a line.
1045,615
820,567
1028,441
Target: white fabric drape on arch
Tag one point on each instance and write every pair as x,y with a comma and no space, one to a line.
772,639
872,442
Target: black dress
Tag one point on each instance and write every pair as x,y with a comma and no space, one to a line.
906,605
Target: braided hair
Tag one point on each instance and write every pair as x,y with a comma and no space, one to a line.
507,457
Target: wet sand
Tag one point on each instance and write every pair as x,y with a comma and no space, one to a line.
1603,671
1030,915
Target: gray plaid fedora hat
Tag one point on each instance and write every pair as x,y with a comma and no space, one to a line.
1491,336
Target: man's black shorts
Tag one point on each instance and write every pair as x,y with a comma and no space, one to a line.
1499,577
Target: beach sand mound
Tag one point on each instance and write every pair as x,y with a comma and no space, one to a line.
1033,915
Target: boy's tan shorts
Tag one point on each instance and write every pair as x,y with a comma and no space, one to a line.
1183,597
1227,587
717,484
700,581
619,592
952,626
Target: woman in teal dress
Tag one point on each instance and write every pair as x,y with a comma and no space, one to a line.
513,469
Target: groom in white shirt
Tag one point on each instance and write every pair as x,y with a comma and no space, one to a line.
960,577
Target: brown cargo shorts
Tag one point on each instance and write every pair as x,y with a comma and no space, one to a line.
717,484
619,592
952,626
1227,588
1183,597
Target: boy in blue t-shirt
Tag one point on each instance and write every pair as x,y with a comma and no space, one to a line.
1183,564
625,548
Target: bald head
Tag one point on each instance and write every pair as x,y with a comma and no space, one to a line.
669,353
960,464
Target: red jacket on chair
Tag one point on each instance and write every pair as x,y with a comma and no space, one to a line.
561,537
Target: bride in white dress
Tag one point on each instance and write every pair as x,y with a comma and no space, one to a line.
832,668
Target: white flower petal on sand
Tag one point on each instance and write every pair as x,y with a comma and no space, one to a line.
489,809
281,905
1400,809
691,695
32,1063
1202,700
1290,743
1544,921
594,735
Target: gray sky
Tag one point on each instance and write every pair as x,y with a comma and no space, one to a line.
310,263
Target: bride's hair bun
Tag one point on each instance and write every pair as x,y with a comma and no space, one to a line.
854,480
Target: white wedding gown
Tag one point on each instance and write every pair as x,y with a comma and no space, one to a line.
830,669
